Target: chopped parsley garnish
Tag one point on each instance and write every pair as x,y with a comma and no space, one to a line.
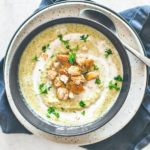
97,81
52,110
113,86
60,36
82,103
95,67
72,57
83,112
45,47
52,56
67,46
56,114
84,37
118,78
62,109
35,58
44,88
65,42
108,52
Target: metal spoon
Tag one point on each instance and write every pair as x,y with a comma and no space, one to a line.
100,17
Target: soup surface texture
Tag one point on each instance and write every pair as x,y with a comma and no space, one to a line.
70,74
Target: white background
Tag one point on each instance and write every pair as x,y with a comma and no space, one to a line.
12,14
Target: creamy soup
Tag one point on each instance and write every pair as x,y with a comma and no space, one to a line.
70,74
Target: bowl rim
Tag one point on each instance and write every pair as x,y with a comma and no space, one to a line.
75,19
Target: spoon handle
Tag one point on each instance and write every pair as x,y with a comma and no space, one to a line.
137,54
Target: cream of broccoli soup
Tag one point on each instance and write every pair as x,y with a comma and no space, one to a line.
70,74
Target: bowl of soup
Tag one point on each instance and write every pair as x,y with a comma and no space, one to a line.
69,76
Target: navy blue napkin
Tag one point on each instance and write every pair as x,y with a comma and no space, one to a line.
133,136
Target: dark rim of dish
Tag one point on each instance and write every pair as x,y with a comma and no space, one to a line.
39,122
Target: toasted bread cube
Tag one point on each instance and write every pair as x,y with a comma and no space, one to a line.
77,89
62,93
74,70
92,75
57,82
62,58
78,79
52,74
89,63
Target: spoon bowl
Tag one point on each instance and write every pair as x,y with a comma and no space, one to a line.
99,17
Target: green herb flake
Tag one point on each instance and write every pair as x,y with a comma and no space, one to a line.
60,36
52,110
95,67
67,46
35,58
108,52
84,37
97,81
118,78
52,56
62,109
83,113
82,104
44,88
56,114
65,42
113,86
72,57
48,116
45,47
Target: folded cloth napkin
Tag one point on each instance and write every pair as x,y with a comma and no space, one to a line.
133,136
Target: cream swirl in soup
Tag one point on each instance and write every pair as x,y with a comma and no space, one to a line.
70,74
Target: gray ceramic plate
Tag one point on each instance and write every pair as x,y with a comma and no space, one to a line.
138,71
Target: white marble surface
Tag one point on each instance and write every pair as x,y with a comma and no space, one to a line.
12,13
